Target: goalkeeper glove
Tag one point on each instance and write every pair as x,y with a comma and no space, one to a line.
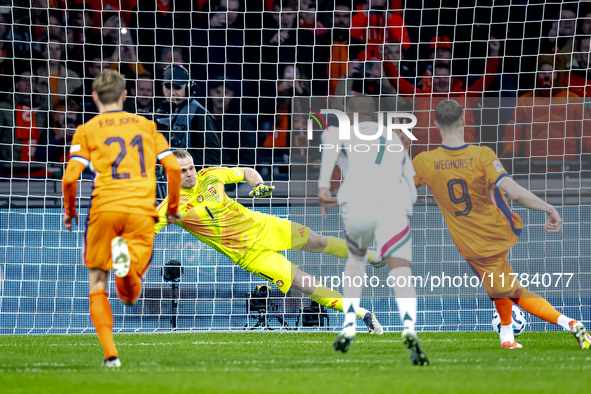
261,190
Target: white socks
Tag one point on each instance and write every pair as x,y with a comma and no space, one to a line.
506,333
563,322
352,294
406,296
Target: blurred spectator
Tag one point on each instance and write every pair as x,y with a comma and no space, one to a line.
282,40
81,15
124,7
549,122
55,144
293,83
19,33
51,28
226,14
220,39
39,19
343,47
113,29
54,78
307,17
586,23
124,58
81,22
369,26
23,117
56,27
94,66
363,77
184,121
444,87
580,59
161,22
578,80
562,32
239,132
440,50
141,97
74,53
166,57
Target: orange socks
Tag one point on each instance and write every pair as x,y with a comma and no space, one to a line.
536,305
129,288
102,317
505,308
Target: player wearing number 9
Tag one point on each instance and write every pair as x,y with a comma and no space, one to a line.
467,182
121,149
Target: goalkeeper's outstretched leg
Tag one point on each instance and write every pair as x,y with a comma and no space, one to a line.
306,283
333,246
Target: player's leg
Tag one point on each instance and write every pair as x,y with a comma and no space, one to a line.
282,234
134,245
275,268
306,283
492,270
99,232
332,246
399,273
102,317
394,240
504,307
538,306
359,233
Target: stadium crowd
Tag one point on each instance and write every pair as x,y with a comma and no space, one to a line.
230,79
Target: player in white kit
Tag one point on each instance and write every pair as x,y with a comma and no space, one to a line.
376,200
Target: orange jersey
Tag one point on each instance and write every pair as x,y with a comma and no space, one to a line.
465,184
121,149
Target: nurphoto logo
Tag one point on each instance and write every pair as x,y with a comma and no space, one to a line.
384,132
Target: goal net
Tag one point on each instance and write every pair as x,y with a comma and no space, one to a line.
260,73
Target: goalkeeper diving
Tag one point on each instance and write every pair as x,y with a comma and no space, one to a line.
253,239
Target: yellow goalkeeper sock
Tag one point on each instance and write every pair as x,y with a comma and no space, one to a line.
336,247
332,299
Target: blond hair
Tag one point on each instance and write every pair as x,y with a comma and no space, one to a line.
181,154
109,86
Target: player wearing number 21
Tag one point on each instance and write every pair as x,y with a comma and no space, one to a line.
467,182
121,149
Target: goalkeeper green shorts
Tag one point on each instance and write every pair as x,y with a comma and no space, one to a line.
281,234
269,265
263,258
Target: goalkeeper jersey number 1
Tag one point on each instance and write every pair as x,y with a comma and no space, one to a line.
214,218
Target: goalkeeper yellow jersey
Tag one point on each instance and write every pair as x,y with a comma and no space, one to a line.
214,218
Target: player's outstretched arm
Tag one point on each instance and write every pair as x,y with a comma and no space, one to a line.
70,189
255,180
173,174
529,200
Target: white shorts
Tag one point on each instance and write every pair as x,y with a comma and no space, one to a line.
388,225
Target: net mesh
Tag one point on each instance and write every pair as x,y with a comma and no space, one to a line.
256,70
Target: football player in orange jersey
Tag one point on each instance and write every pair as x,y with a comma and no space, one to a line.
122,150
467,182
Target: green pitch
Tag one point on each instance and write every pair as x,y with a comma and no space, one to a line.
293,363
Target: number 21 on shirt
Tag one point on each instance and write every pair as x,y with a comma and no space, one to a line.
138,142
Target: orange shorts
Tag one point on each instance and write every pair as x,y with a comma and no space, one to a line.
501,284
102,227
